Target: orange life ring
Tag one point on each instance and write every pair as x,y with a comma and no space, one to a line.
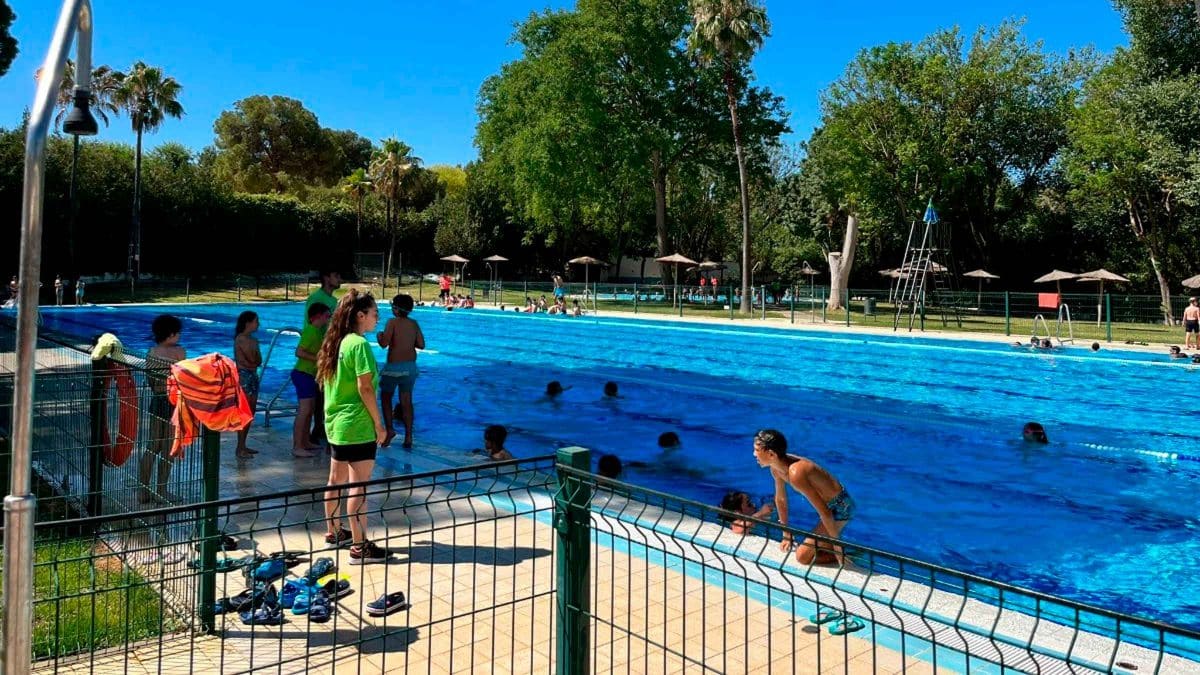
118,452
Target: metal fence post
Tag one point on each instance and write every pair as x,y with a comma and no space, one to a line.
635,297
571,521
287,285
187,290
847,307
1108,317
1007,316
209,530
730,296
824,305
98,390
792,296
239,287
763,290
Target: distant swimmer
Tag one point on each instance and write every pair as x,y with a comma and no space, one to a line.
1177,353
828,497
668,440
554,388
609,466
1033,432
610,389
1095,346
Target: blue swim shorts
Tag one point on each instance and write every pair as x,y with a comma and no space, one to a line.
398,377
305,384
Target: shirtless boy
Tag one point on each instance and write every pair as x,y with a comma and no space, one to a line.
402,338
1191,324
828,496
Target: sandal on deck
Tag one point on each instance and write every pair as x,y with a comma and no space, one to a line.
824,616
387,603
846,626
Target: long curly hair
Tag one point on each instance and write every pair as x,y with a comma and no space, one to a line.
341,324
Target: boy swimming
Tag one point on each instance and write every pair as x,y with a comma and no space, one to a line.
828,497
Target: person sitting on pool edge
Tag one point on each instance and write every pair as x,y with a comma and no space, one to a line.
827,495
739,502
1033,432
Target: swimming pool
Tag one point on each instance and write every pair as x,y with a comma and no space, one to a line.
924,433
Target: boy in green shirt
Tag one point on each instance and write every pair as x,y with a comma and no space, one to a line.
304,378
331,280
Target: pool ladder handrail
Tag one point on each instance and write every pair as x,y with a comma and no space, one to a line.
1064,314
262,369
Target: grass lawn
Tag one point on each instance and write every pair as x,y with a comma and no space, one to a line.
85,600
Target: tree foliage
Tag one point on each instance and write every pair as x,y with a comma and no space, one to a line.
8,43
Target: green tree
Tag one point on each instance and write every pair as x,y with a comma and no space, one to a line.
148,97
8,43
728,33
104,85
392,170
345,152
266,143
357,186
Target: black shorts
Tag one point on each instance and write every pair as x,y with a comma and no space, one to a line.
358,452
445,292
1191,326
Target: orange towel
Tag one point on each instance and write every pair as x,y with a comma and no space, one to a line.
206,390
1049,300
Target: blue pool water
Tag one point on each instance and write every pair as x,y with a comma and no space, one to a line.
924,433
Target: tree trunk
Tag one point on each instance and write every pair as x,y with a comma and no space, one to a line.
135,234
659,178
840,265
1164,288
746,307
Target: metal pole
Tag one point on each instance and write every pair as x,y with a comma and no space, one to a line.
571,522
847,307
1108,317
187,290
763,290
1007,316
635,297
792,296
731,302
209,530
824,306
16,650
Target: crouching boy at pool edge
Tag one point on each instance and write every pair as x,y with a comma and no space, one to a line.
828,497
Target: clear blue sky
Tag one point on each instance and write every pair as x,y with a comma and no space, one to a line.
413,68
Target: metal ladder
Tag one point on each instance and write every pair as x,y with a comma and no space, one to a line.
1064,315
262,369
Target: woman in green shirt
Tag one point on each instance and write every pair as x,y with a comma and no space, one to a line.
347,372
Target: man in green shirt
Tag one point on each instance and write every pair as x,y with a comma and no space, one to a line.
331,280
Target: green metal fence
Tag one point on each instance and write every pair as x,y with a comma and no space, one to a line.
538,566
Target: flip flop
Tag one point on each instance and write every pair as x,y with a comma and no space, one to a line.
320,609
289,558
846,626
267,615
387,603
270,570
291,589
824,616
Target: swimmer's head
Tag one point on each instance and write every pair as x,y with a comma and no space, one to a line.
554,388
610,388
1175,349
735,501
668,439
1034,433
609,466
1046,344
402,304
494,437
769,442
1095,346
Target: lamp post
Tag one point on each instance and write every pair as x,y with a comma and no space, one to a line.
74,22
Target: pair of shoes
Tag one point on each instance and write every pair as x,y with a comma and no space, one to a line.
335,585
227,543
320,608
290,591
249,599
367,552
342,537
320,568
269,614
387,603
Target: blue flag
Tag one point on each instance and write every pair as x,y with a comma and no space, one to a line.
931,216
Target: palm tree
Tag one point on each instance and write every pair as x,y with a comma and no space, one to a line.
105,82
728,32
357,186
149,97
391,167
